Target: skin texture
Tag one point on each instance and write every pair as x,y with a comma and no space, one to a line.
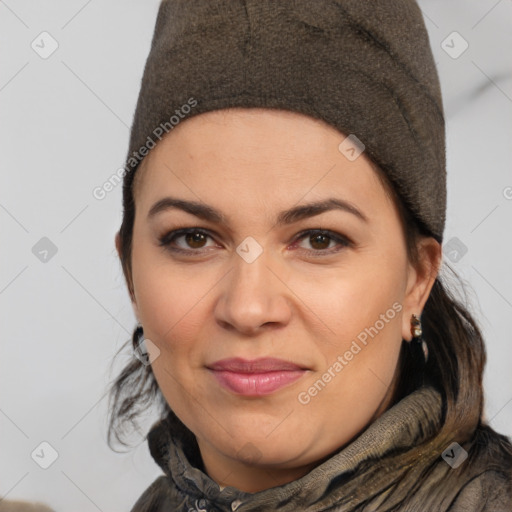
288,303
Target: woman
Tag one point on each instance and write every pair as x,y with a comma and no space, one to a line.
284,208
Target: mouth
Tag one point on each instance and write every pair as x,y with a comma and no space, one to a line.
256,377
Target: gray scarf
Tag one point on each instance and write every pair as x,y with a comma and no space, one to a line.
337,484
343,483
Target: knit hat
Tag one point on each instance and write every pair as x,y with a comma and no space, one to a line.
365,67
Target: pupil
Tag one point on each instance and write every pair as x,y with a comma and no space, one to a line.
196,238
317,238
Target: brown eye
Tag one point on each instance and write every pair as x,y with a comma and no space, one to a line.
195,239
319,240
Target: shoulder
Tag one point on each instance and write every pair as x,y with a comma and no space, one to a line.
489,484
490,491
158,497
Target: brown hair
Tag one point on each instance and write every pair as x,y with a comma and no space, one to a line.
455,366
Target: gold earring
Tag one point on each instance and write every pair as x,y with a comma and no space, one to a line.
416,326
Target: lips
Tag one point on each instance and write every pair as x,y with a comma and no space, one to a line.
256,377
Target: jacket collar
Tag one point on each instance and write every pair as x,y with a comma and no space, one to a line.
407,423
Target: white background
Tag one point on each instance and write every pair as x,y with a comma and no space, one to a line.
64,130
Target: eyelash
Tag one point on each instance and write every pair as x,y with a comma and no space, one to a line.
168,238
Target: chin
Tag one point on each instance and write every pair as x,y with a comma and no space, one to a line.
256,448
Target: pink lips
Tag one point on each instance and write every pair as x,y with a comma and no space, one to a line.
257,377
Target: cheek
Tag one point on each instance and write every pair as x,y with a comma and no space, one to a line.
359,312
162,293
169,307
345,300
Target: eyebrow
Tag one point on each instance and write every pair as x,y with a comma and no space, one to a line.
295,214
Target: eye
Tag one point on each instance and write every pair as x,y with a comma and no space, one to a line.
195,239
320,240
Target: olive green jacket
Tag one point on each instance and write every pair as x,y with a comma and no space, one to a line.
482,483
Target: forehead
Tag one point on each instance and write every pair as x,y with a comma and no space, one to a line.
265,153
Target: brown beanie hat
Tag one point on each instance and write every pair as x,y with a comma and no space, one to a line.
365,67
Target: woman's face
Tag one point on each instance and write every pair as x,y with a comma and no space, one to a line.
257,285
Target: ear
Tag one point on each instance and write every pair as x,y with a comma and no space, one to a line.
420,280
127,277
118,244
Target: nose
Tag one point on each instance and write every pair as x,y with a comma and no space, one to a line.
253,295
